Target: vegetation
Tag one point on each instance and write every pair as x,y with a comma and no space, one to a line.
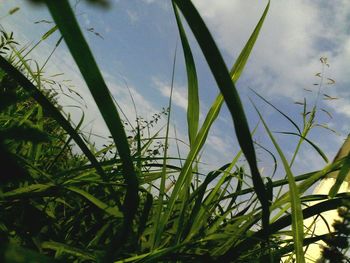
119,203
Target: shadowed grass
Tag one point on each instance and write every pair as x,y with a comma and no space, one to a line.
72,35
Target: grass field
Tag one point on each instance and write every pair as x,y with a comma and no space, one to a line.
129,201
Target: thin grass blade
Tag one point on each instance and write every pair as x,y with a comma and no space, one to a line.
229,92
192,82
67,24
50,110
296,213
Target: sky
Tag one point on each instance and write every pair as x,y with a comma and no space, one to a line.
134,43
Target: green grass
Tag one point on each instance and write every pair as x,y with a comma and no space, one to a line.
120,203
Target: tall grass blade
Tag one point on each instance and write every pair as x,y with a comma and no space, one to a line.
344,172
296,213
65,249
26,191
67,24
229,92
204,130
193,97
51,110
320,152
112,210
278,110
157,229
287,220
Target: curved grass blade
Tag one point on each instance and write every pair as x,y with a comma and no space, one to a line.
229,92
201,216
344,172
242,59
296,213
287,220
63,248
320,152
193,98
209,120
275,164
51,110
66,144
112,210
27,191
67,24
278,110
157,234
197,196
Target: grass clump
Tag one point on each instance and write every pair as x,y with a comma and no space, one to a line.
118,203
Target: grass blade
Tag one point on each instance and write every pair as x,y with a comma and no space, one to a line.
67,24
344,171
209,120
51,110
278,110
27,191
157,229
113,211
193,98
63,248
297,216
320,152
229,92
242,59
287,220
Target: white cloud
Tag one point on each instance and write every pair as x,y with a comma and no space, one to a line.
179,97
295,34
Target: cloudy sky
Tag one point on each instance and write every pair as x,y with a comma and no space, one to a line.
134,44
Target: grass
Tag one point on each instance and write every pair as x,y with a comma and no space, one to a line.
119,204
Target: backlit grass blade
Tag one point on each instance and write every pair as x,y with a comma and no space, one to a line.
192,90
197,197
312,178
229,92
204,212
242,59
278,110
296,213
287,220
320,152
51,110
204,130
69,28
157,234
344,172
112,210
27,191
66,249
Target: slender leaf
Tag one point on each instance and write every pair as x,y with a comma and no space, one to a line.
67,24
321,153
192,97
50,109
297,216
345,169
229,92
112,210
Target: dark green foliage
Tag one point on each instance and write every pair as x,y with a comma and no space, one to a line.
128,201
338,242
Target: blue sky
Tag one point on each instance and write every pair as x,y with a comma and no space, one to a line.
138,44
